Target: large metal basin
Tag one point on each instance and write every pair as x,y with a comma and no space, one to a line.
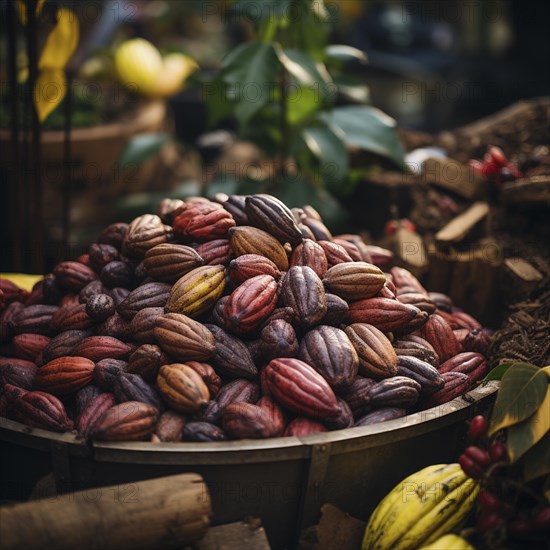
283,481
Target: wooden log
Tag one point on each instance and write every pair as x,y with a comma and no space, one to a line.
162,513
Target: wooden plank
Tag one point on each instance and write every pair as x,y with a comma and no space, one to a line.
244,535
168,512
461,225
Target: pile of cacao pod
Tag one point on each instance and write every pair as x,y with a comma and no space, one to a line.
228,319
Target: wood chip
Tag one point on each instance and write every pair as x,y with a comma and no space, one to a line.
461,226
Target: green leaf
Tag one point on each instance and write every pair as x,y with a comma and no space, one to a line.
219,105
521,391
499,371
521,437
327,144
251,74
536,461
342,52
307,71
142,147
370,129
302,103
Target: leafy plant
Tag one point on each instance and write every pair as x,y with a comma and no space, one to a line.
282,89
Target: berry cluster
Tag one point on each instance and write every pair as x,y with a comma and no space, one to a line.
508,508
496,166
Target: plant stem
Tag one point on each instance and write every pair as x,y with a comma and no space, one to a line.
285,130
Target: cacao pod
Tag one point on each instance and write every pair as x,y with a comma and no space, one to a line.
473,364
302,426
251,240
170,427
114,234
168,262
354,281
238,391
146,361
132,387
107,371
209,376
215,252
128,421
334,253
147,295
275,413
310,253
73,276
89,416
398,391
18,372
246,421
343,420
65,375
250,265
456,383
97,348
203,431
182,387
142,325
385,314
145,232
357,396
278,339
71,318
28,346
425,374
117,274
203,222
440,335
381,415
337,310
36,319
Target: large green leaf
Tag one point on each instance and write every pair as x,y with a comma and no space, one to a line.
343,52
220,106
307,71
536,461
302,103
370,129
522,390
499,371
251,74
141,148
522,436
327,144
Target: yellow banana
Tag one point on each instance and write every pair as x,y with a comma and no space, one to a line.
412,499
197,291
449,542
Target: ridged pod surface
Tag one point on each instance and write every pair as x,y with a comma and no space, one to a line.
354,281
252,240
65,375
182,387
168,262
128,421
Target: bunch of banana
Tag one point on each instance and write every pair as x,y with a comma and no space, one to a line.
449,542
421,508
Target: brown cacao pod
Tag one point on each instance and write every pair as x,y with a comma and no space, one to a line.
235,205
250,304
343,420
132,387
197,291
63,343
310,253
403,278
350,247
107,371
117,274
334,253
456,383
83,397
71,318
476,340
168,262
319,230
114,234
117,327
18,372
232,357
250,265
97,348
182,388
441,301
119,294
461,319
385,314
143,324
143,233
422,372
247,421
209,376
354,281
280,313
170,427
65,375
330,352
168,209
303,291
278,339
28,346
183,338
381,415
275,413
238,391
100,307
203,431
73,276
38,409
90,415
69,300
211,413
337,310
274,217
357,396
7,321
128,421
398,391
215,252
421,301
380,257
36,319
203,222
473,364
251,240
147,295
300,388
101,254
12,293
440,335
377,358
302,426
146,361
417,347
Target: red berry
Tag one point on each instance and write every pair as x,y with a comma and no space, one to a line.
478,455
489,522
498,156
478,426
497,451
519,528
488,501
470,468
507,510
541,521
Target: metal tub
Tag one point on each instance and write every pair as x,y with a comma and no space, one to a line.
283,481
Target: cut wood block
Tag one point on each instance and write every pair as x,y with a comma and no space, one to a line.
244,535
162,513
409,251
534,190
463,224
456,177
523,270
